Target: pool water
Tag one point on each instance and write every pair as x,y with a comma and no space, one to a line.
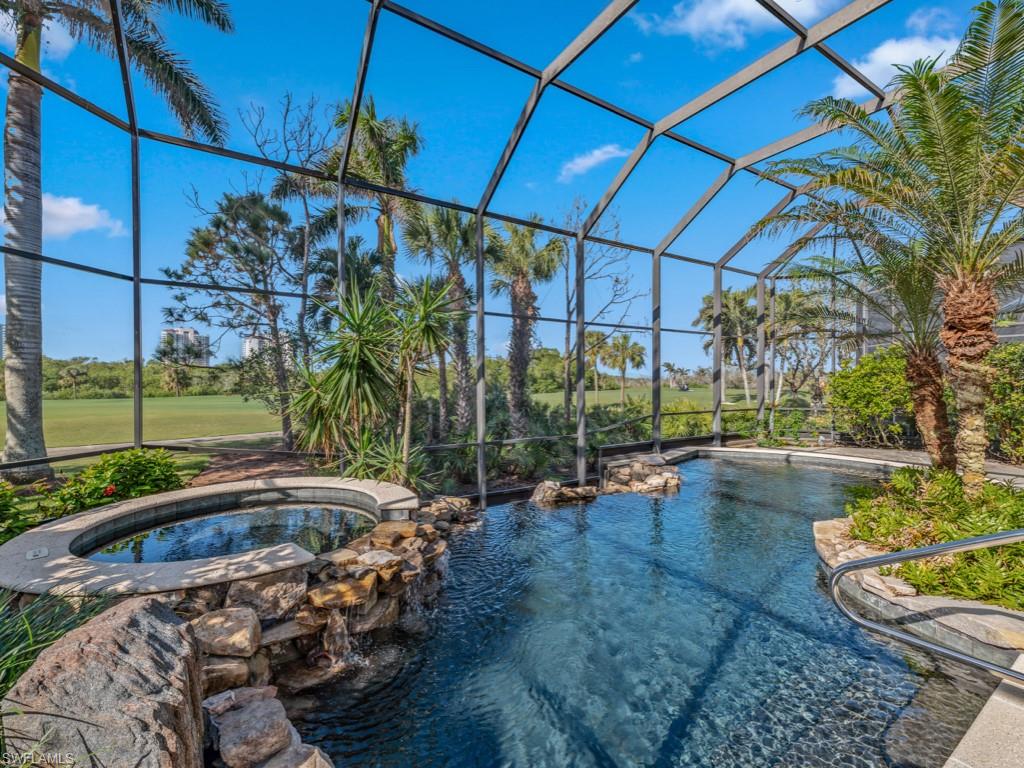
314,528
691,630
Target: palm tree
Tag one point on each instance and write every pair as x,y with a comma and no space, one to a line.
381,149
945,169
444,234
624,353
518,264
739,325
595,346
167,73
72,376
676,374
425,315
895,281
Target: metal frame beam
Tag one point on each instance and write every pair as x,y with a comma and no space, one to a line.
348,138
136,174
805,38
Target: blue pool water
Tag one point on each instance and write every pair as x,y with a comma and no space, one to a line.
691,630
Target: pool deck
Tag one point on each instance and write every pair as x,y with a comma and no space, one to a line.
996,738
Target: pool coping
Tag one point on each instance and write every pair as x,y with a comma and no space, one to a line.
49,558
994,738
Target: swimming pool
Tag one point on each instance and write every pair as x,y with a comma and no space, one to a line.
691,630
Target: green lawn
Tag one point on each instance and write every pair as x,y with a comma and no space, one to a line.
90,422
699,396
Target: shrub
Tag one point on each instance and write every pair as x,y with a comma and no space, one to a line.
1005,410
916,508
871,400
116,476
14,520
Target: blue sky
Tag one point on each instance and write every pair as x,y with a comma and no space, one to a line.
653,61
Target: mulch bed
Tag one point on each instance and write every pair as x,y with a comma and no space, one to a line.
225,468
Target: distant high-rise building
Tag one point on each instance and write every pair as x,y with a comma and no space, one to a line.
188,345
253,345
256,344
3,338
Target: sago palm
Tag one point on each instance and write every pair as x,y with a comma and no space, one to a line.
894,280
519,263
621,354
946,170
88,22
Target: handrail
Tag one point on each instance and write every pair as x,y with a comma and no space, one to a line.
962,545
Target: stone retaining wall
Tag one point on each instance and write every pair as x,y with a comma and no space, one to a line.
988,632
156,681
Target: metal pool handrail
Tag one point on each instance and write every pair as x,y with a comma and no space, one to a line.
963,545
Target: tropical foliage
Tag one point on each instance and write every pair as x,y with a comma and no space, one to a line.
1005,410
943,172
167,73
916,508
115,477
872,399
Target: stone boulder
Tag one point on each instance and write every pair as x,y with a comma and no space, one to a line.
252,733
550,492
346,592
385,563
449,509
123,689
273,596
219,673
383,614
228,632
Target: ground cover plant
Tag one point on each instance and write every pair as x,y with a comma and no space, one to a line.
915,508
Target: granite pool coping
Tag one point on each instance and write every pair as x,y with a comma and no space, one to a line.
49,558
994,738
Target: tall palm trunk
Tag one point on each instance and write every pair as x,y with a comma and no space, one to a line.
407,418
460,353
930,414
386,247
969,309
442,396
521,297
743,369
23,350
284,399
622,388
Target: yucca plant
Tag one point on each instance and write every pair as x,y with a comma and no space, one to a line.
945,170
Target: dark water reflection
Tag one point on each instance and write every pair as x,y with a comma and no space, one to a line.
315,528
685,631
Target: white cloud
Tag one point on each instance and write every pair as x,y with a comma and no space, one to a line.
67,216
930,39
925,20
581,164
3,304
722,23
635,58
57,43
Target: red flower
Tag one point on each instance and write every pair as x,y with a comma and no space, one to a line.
110,490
